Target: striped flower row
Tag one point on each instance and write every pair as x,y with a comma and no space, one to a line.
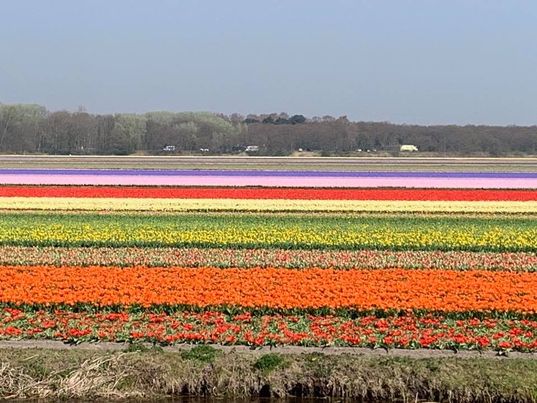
255,258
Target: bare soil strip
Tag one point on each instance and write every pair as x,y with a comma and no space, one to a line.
352,351
278,163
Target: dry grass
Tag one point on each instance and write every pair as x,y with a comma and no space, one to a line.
73,374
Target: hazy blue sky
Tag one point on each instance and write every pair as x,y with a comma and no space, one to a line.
421,61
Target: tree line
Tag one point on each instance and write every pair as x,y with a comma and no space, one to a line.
34,129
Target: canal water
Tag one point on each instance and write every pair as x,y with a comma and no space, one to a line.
186,399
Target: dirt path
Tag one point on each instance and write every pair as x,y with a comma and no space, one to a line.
418,353
251,162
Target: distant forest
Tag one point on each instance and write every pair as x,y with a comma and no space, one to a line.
34,129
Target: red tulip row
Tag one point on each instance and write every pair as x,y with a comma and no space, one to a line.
269,193
392,331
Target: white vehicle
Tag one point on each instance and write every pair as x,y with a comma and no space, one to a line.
408,148
250,149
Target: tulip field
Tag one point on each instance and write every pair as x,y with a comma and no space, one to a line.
389,259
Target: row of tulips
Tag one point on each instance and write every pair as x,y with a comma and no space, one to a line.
281,178
278,258
393,331
271,231
268,205
388,194
389,289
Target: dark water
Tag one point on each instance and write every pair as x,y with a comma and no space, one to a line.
185,399
190,400
244,400
253,400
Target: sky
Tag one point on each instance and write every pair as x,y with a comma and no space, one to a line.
402,61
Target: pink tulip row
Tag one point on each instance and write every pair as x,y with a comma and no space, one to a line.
271,181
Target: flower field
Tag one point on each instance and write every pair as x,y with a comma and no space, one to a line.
440,260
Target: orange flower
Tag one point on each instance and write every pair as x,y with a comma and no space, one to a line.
442,290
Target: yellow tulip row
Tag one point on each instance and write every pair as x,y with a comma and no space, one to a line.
494,238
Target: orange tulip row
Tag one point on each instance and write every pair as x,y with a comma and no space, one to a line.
442,290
